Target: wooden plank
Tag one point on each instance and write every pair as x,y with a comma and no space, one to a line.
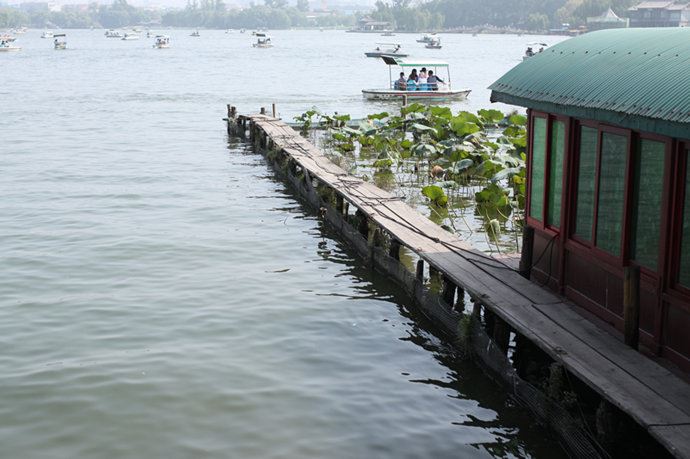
650,394
675,438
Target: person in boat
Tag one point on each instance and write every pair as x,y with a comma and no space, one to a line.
422,79
529,52
401,83
413,75
433,81
411,84
422,73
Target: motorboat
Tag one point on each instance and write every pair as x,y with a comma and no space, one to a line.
7,38
439,90
112,34
435,43
426,38
195,34
5,47
130,36
262,40
386,49
47,34
531,47
162,42
59,44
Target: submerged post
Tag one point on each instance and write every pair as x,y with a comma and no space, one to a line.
263,110
273,107
631,306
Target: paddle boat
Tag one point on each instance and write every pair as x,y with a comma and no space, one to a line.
130,36
59,44
530,52
262,40
195,34
438,91
47,34
392,51
5,47
426,38
112,34
435,43
162,42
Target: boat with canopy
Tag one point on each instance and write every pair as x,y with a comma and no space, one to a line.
439,90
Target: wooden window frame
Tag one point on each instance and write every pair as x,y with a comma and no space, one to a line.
677,205
542,225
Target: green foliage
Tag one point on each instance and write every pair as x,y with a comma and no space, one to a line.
436,195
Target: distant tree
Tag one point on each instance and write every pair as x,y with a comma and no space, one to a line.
303,5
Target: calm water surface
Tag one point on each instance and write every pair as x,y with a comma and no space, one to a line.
163,296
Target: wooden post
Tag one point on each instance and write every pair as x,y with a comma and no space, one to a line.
273,106
339,204
501,334
448,291
263,110
404,100
460,301
363,226
394,250
631,306
527,252
420,271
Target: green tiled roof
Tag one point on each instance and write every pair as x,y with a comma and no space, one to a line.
635,78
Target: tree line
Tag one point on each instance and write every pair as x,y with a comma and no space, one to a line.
532,15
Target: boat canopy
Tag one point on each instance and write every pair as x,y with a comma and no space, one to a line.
411,62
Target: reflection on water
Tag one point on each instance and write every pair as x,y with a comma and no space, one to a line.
164,296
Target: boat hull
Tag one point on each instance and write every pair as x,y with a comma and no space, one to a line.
9,49
381,54
389,94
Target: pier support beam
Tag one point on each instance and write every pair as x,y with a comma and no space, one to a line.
394,250
527,250
419,275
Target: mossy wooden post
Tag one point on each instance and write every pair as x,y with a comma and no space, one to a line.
394,250
527,250
631,306
339,205
363,226
448,291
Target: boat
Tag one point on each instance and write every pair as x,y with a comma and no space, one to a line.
388,33
195,34
426,38
162,42
7,38
392,51
435,43
47,34
426,91
130,36
5,47
242,31
59,44
262,40
530,52
112,34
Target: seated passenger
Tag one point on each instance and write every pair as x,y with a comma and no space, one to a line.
433,81
401,83
411,84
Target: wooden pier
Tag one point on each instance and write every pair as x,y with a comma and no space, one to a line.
515,309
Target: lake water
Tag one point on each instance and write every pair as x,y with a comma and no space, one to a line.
163,296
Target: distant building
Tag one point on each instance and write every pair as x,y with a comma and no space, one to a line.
660,14
34,7
607,20
368,25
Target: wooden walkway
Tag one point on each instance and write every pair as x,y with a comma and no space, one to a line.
654,397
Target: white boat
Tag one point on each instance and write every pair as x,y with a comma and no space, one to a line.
262,40
162,42
195,34
441,90
530,52
392,50
59,44
130,36
6,47
7,38
47,34
435,43
388,33
426,38
112,34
